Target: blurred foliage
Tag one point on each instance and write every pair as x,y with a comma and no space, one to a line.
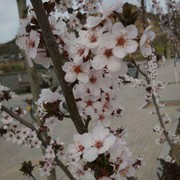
129,14
12,66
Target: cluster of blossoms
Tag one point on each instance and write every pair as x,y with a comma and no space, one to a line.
152,88
50,109
175,139
93,43
12,130
153,85
55,149
104,155
17,133
133,81
6,94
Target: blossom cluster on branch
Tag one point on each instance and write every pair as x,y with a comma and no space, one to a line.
93,43
169,21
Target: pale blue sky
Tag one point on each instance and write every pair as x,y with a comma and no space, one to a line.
9,19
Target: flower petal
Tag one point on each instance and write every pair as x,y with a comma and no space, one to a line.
90,155
99,62
119,52
118,28
113,65
131,47
132,31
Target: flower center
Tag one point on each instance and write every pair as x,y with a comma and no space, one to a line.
81,51
93,38
101,117
81,148
98,144
121,41
77,69
93,79
30,43
89,103
108,53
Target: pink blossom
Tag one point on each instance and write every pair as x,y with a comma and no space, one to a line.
101,141
76,71
105,57
123,39
90,38
97,82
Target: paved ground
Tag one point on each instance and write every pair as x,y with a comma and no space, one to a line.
138,122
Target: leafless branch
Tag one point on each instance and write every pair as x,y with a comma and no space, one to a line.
57,60
44,143
165,132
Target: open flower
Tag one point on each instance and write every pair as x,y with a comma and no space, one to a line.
29,44
89,105
105,57
123,39
90,38
77,51
97,82
75,71
101,140
81,143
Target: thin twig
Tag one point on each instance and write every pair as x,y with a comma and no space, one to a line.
165,132
140,71
33,177
18,118
87,122
64,168
44,143
24,122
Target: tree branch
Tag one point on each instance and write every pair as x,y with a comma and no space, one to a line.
24,122
64,168
18,118
87,121
57,60
44,143
165,132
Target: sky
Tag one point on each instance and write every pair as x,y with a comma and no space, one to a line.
9,22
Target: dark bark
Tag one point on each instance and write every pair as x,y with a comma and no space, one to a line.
44,143
57,60
143,13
